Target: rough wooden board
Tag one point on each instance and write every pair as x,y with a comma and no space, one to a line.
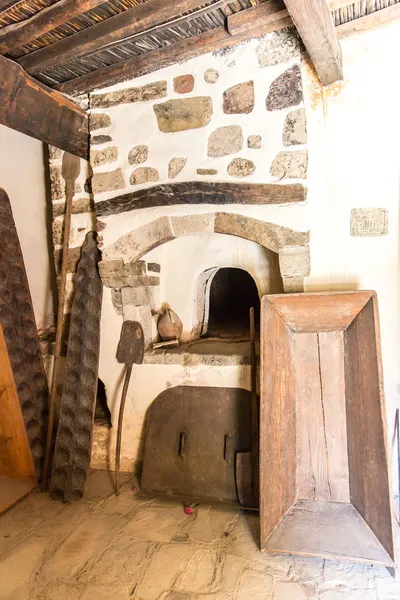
322,311
73,445
370,491
264,14
20,332
201,192
13,490
23,32
16,460
277,423
34,109
316,28
322,467
328,530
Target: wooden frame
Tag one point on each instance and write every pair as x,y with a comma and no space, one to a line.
325,486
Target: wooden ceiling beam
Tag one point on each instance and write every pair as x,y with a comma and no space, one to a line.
137,19
314,23
17,34
185,49
34,109
379,18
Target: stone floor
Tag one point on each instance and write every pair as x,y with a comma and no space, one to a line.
109,548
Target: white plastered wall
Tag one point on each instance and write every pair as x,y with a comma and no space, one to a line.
22,176
354,162
353,133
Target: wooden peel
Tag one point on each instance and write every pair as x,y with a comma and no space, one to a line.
247,463
130,351
71,167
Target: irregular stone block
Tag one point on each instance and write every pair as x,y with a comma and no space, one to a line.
111,268
100,139
183,84
368,222
55,153
267,234
183,114
99,121
108,181
144,93
135,244
295,591
278,47
290,165
293,285
190,224
211,75
295,128
57,183
74,255
116,299
225,140
138,154
241,167
102,157
286,90
206,171
57,231
239,99
81,205
153,267
136,268
254,142
255,585
175,166
139,296
130,281
143,175
294,261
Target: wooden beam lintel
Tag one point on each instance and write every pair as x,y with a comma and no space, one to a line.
40,112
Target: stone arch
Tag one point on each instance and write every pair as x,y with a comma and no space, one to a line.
291,245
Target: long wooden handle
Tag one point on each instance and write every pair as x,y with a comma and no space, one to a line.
69,192
120,421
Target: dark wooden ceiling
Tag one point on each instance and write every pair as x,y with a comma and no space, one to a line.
79,45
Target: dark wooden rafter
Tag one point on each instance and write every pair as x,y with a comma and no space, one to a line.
316,28
185,49
18,34
269,12
124,25
40,112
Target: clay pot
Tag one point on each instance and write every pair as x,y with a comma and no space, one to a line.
169,326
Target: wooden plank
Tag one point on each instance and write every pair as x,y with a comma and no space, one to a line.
320,311
34,109
370,491
23,32
333,390
201,192
277,422
137,19
16,461
322,468
315,26
268,12
379,18
181,51
13,490
331,530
